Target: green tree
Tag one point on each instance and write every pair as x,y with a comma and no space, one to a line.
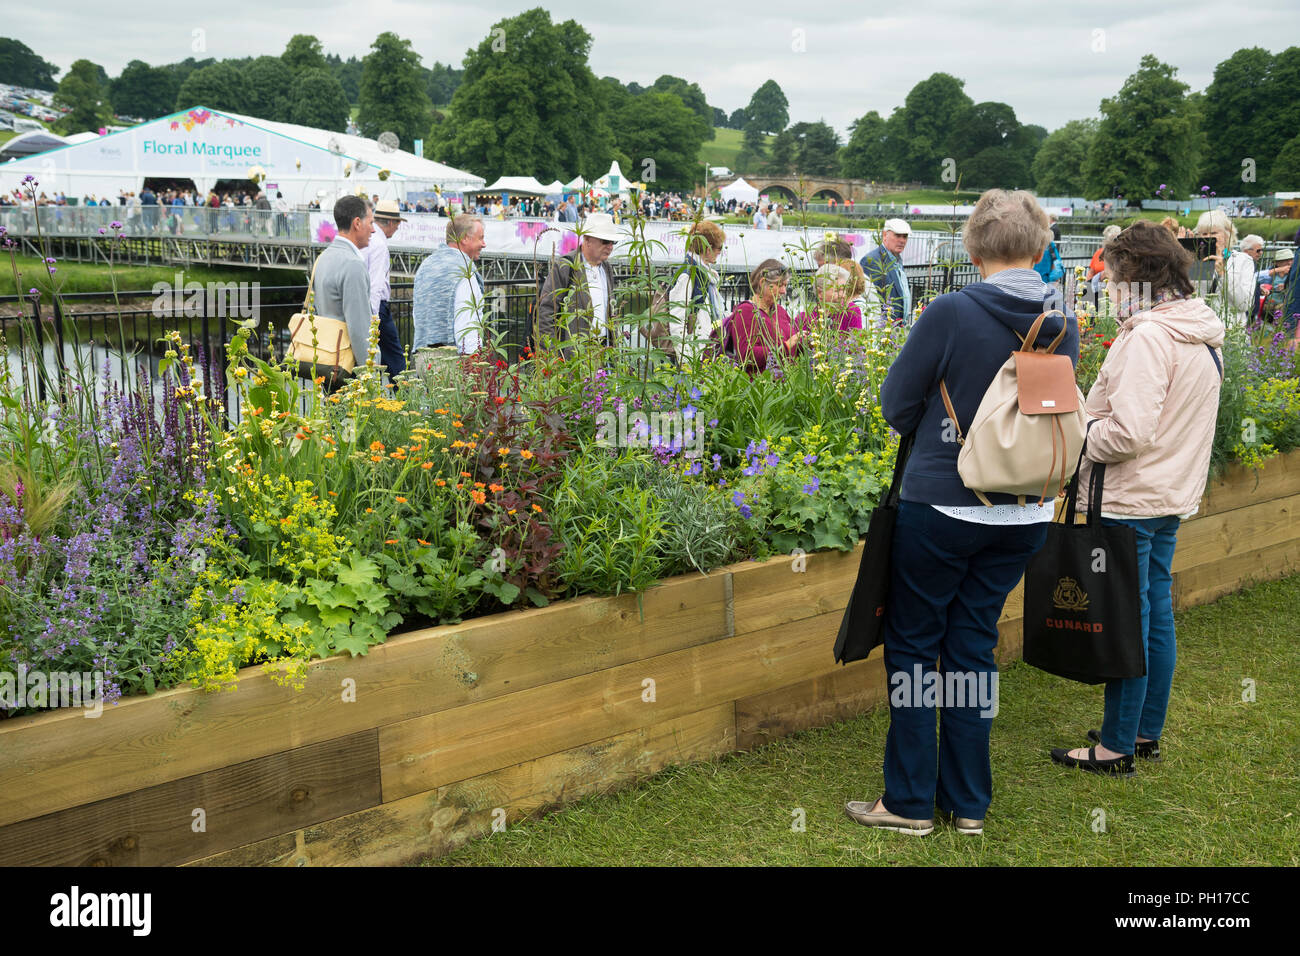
768,109
995,166
219,87
144,91
393,97
558,129
19,66
348,73
1286,167
692,96
1240,85
1058,165
303,52
1149,134
980,126
738,119
181,71
443,81
655,131
85,97
784,146
866,155
270,88
918,132
317,99
719,118
753,150
818,149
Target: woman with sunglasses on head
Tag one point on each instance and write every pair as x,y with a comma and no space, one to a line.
759,326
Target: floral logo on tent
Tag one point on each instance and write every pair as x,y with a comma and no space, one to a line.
529,231
569,243
326,232
852,238
199,118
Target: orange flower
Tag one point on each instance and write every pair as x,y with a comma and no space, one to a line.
479,484
525,454
376,446
427,465
478,497
330,440
460,486
457,424
376,457
440,411
500,400
496,489
370,511
537,507
391,541
423,542
319,380
329,454
440,483
503,451
465,474
472,445
401,500
512,511
300,436
334,494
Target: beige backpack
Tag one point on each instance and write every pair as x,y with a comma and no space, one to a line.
1029,428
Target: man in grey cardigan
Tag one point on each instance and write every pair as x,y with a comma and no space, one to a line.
577,298
341,283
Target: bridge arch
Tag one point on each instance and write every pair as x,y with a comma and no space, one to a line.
778,192
825,193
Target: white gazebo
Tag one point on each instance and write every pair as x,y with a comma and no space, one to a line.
740,191
518,185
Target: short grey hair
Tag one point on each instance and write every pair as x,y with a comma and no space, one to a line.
1110,232
461,227
1215,220
829,276
1006,227
1252,242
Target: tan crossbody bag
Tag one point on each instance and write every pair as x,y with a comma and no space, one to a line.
319,341
1029,428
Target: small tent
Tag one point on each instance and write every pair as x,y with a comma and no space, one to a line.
613,182
740,191
517,185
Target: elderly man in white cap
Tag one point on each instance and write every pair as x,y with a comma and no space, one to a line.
388,218
578,295
883,266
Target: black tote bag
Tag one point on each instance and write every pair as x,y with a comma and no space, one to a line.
863,626
1083,620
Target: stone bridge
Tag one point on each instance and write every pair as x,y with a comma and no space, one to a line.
813,189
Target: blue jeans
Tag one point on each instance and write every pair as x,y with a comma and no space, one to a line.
1136,706
948,582
390,344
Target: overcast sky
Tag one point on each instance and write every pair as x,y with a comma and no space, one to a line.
1051,61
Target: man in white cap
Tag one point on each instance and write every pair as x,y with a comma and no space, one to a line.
388,218
884,267
577,297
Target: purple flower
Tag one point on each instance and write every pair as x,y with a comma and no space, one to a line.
695,394
717,462
773,460
745,512
810,459
50,262
738,499
688,411
33,292
713,423
812,486
114,225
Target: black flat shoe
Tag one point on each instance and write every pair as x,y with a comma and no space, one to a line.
1121,766
1146,749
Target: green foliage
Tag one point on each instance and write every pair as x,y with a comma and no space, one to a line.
19,66
443,83
661,137
86,97
317,99
271,89
1149,134
768,110
918,131
392,97
1238,129
220,86
303,52
999,166
867,155
783,148
692,97
1058,165
558,129
753,149
144,91
1286,167
817,146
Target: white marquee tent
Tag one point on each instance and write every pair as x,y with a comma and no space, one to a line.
207,146
740,191
522,185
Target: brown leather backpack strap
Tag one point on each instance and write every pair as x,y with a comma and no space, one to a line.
1065,324
1032,335
952,414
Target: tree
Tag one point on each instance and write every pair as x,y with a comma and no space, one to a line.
783,152
866,155
19,66
818,148
753,150
998,166
144,91
738,119
443,81
1058,165
1286,167
918,132
1239,86
719,118
348,73
692,96
655,131
317,99
303,52
393,97
979,126
85,97
1149,135
270,89
218,87
768,109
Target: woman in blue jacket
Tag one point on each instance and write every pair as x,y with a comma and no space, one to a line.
954,560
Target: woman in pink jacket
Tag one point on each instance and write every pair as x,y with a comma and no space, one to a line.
759,326
1151,418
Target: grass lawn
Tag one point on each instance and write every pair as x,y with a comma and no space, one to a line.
1224,795
88,277
723,149
1268,228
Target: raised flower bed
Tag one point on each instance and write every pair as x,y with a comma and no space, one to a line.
459,728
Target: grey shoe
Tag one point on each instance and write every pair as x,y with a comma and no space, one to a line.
963,824
860,810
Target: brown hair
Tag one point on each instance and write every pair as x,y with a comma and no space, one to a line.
709,232
1006,227
1147,253
1170,223
765,273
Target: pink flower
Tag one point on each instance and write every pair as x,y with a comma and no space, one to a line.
569,243
529,231
852,238
326,231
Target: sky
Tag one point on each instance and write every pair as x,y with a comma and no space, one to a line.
1052,62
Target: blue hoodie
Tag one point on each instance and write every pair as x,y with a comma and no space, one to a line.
963,337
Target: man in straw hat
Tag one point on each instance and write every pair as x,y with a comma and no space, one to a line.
582,287
388,218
